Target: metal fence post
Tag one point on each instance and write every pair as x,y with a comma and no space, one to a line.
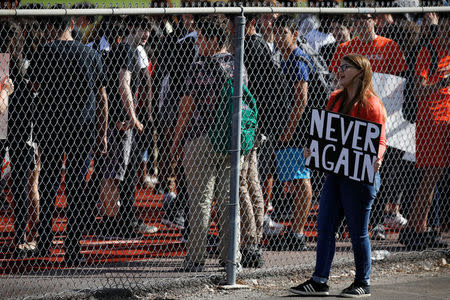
239,27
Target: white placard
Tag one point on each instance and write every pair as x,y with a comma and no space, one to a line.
4,67
400,133
4,73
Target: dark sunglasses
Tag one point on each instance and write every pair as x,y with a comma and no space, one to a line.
344,67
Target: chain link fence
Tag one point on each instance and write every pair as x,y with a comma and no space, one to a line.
161,145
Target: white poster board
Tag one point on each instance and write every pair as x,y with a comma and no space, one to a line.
400,133
4,73
4,67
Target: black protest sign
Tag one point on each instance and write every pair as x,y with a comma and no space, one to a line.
343,145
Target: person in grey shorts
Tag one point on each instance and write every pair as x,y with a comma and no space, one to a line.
119,183
118,156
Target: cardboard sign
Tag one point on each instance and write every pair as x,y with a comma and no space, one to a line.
343,145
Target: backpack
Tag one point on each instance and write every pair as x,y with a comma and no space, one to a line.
321,83
409,107
220,132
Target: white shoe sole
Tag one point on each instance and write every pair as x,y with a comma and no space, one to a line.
394,225
297,292
172,224
354,296
150,230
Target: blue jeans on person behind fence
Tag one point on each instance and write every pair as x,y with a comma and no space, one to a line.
355,200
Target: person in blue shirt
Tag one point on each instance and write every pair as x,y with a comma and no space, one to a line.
297,68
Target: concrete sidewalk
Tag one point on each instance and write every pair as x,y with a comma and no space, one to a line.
405,277
400,288
420,289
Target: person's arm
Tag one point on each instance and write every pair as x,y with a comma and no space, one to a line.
380,117
184,115
145,92
127,99
425,86
429,29
102,120
301,99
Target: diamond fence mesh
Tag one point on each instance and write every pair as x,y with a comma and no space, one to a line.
116,134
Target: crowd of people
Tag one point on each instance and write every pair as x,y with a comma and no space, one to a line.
108,91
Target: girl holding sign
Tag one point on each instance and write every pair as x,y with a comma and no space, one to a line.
356,98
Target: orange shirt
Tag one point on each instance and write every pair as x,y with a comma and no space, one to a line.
384,55
372,112
437,105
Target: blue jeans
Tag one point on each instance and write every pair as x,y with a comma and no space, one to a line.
355,200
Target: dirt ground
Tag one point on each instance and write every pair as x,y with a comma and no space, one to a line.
389,273
399,276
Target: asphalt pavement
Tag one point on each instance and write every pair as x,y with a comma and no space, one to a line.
403,288
420,289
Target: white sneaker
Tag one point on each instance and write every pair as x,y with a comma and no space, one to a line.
150,181
271,223
378,233
270,227
270,207
395,221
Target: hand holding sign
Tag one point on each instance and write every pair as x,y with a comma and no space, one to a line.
7,85
306,152
377,165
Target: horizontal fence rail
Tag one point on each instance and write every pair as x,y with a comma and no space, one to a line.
221,10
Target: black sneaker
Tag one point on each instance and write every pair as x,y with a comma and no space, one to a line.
252,257
174,220
311,288
287,241
356,290
295,241
142,228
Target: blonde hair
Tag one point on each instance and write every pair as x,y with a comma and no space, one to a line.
365,88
